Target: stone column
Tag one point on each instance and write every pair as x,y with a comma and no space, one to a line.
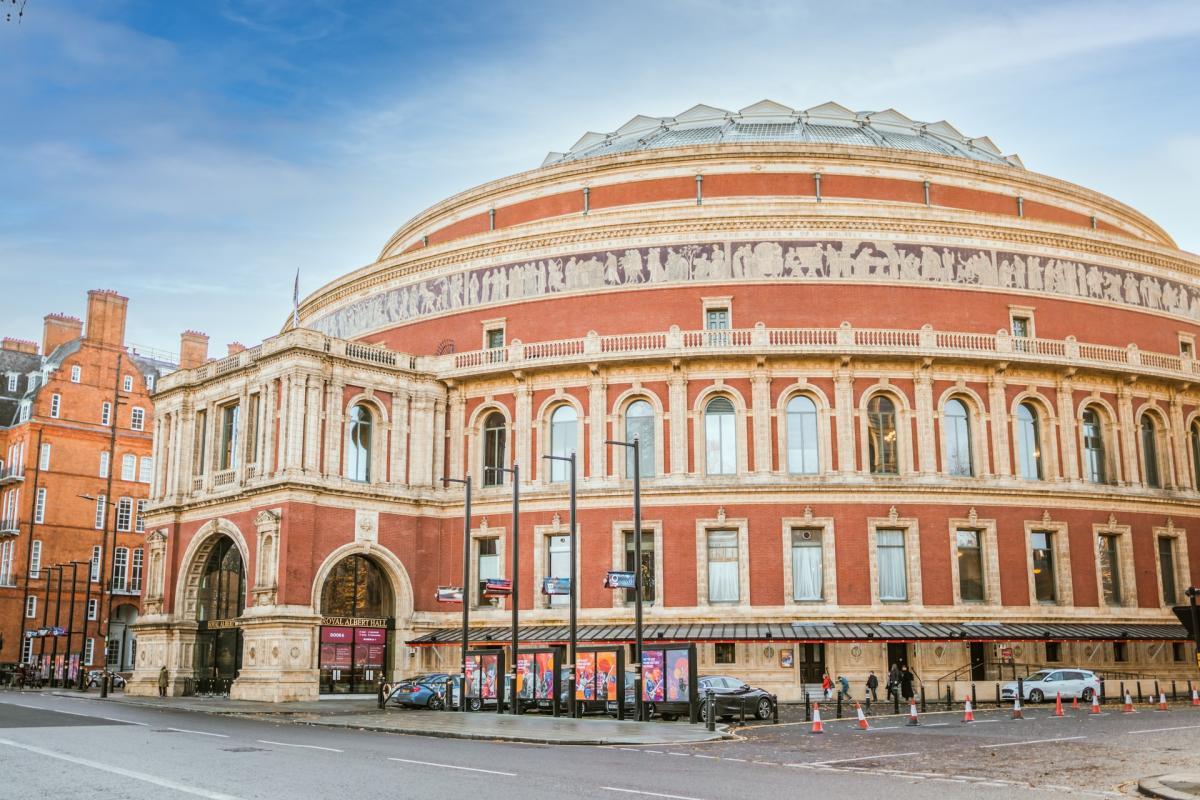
335,423
270,415
760,408
524,426
998,411
843,412
314,396
421,465
1129,448
456,422
1067,427
597,428
677,414
1179,441
923,382
400,443
439,439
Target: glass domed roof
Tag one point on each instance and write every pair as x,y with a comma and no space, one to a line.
767,121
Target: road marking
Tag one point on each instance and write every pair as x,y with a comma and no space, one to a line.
649,794
697,755
308,746
656,752
1159,730
679,754
452,766
935,724
125,721
199,733
1031,741
724,758
127,773
860,758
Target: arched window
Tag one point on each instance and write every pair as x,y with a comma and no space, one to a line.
1151,475
564,423
639,424
494,439
1029,443
222,592
1094,467
720,440
358,448
881,436
1195,442
956,438
802,436
356,588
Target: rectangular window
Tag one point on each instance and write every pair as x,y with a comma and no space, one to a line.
104,464
1044,585
35,559
150,383
893,572
44,458
12,382
137,419
488,566
558,564
101,509
1022,327
146,469
6,559
31,606
127,384
808,579
97,553
725,653
716,319
1119,652
124,514
93,608
494,338
89,650
23,413
1108,554
201,443
106,413
1177,651
55,405
128,467
1053,653
76,373
120,565
39,508
139,524
135,571
227,458
648,588
723,582
970,566
1166,569
27,651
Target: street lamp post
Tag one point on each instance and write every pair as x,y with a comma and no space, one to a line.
515,571
104,550
71,621
87,602
571,585
466,590
636,446
57,619
45,619
1192,592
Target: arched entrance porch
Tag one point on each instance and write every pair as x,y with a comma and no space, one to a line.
220,600
357,626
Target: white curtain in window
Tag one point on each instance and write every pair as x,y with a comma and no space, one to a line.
893,584
723,567
563,426
806,571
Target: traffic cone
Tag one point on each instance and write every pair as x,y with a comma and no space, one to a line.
1195,697
1016,712
912,713
1058,709
1095,703
968,712
1075,703
1162,702
1128,707
817,727
862,719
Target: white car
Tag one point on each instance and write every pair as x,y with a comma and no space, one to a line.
1048,683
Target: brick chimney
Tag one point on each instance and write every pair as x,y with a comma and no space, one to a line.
59,329
235,348
106,317
19,345
193,349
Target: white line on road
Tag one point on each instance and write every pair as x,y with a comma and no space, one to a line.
452,766
1032,741
860,758
126,721
1159,730
935,724
199,733
697,755
307,746
648,794
128,773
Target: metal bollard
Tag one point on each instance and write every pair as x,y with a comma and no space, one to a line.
1021,689
896,701
838,713
807,709
1174,694
998,698
949,699
380,700
974,695
774,709
710,714
922,699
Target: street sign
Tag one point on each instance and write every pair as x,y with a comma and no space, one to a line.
497,587
449,594
556,586
620,580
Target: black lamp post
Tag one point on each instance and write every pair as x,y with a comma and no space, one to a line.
571,585
515,571
57,619
87,602
104,550
466,590
1192,592
636,446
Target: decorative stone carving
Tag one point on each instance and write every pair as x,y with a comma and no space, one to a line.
266,576
973,516
808,514
721,515
366,526
893,515
1046,517
156,558
1112,520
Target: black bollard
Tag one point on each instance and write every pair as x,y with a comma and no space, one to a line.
974,696
949,699
839,704
998,698
895,701
922,699
1174,694
807,709
710,713
1021,690
775,709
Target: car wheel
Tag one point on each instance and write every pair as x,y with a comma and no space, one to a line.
764,709
650,710
1036,696
435,703
475,704
1086,695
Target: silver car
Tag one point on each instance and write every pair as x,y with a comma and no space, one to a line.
1048,683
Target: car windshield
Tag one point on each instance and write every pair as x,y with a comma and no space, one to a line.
1040,675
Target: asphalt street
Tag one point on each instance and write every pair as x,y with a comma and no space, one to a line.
52,745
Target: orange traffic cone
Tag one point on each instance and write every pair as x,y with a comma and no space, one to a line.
1095,703
1128,707
1075,703
862,719
1195,697
1016,712
817,726
1162,701
1058,709
912,712
968,712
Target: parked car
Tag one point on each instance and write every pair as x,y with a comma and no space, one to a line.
115,680
630,697
730,695
420,691
1048,683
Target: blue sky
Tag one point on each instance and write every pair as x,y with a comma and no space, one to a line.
193,155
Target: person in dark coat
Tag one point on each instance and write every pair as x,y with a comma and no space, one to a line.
893,684
162,681
906,684
872,687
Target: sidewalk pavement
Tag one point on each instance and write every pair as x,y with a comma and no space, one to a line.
364,715
1176,786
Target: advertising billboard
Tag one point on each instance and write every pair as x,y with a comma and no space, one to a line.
653,665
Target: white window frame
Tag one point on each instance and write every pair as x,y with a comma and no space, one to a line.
106,413
145,469
828,561
6,562
1062,562
139,516
76,373
722,523
27,651
55,405
1023,312
708,304
35,559
988,551
620,418
101,517
1127,574
12,381
1182,565
120,570
655,529
137,418
93,609
912,557
44,457
127,383
137,562
129,467
97,555
541,565
39,507
104,455
700,432
150,383
31,606
125,514
89,651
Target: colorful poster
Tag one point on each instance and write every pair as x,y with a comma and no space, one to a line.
585,676
620,580
606,675
652,676
556,586
471,668
58,668
73,668
490,667
677,675
525,678
545,676
785,659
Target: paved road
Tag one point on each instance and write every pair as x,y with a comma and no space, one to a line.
51,745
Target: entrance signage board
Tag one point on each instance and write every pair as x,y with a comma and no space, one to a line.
620,580
555,586
218,624
355,622
337,634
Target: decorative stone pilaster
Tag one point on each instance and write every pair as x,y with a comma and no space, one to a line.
279,659
156,564
760,408
456,422
998,410
1129,444
1067,428
596,427
266,559
843,412
439,440
923,401
311,424
400,443
421,465
524,429
677,413
335,424
1179,442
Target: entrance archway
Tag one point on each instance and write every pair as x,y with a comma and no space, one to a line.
356,635
122,644
220,600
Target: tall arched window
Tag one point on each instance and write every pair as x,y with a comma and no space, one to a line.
802,436
1094,467
222,593
1195,442
881,436
356,588
564,423
639,424
720,440
1151,475
956,438
1029,443
494,440
358,448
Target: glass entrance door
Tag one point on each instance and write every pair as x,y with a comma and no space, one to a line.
218,659
352,659
810,658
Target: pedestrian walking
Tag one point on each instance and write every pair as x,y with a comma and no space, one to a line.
906,684
872,688
827,686
162,681
844,684
893,684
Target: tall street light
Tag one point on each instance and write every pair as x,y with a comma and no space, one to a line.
466,590
87,602
571,585
636,446
515,571
57,619
104,549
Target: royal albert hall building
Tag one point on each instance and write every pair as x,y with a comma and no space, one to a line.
898,398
